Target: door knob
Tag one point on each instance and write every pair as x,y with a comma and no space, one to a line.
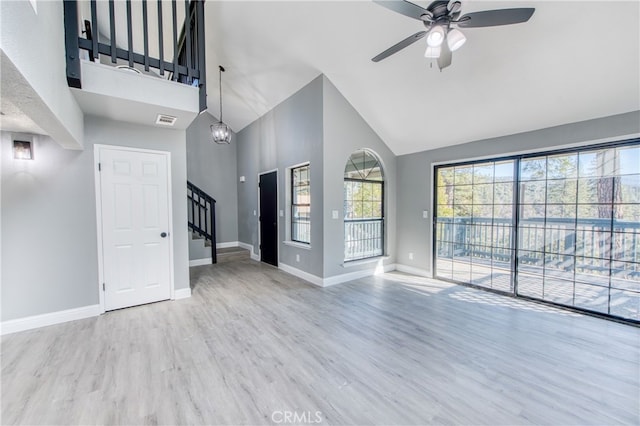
164,234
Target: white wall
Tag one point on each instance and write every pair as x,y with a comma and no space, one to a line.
33,43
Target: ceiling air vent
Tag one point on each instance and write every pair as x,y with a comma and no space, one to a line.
166,120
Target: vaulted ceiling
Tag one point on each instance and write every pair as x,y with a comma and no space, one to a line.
572,61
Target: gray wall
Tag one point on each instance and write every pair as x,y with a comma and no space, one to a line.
49,240
346,131
289,134
415,172
213,168
49,248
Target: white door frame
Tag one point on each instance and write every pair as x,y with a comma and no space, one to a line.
98,190
277,213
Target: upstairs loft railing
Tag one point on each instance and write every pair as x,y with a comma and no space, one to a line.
202,216
187,64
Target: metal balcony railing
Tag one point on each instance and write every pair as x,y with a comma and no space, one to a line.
590,245
187,62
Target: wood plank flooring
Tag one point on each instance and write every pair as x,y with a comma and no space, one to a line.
254,343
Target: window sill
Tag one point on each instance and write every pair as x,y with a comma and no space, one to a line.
365,261
297,244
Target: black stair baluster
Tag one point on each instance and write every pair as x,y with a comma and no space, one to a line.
203,202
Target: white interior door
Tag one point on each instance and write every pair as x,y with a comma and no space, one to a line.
135,227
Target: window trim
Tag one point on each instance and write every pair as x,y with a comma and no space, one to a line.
290,240
381,219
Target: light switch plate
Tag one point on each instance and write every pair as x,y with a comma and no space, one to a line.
281,213
425,214
335,214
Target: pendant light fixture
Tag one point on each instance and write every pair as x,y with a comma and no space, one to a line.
221,132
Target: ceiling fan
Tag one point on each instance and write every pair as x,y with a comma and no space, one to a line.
442,20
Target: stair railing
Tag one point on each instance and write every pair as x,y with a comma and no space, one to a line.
202,216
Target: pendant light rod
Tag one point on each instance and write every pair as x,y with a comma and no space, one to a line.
220,82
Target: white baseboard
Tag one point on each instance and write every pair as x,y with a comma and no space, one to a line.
245,246
336,279
249,247
198,262
37,321
413,270
228,244
350,276
301,274
182,293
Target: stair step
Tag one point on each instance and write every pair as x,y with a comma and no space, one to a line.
230,254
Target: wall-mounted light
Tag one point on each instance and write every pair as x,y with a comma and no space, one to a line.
22,150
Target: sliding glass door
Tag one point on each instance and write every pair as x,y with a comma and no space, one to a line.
561,227
578,233
475,223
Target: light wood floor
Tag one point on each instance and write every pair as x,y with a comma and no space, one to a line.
386,350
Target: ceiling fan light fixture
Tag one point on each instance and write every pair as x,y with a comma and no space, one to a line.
455,39
435,36
454,6
432,52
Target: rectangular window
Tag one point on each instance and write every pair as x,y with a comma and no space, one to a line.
363,219
561,227
300,205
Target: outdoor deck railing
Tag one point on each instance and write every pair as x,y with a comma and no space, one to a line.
590,245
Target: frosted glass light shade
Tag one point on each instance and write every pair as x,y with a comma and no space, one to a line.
455,39
432,52
435,36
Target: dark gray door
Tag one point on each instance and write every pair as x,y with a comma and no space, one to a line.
269,218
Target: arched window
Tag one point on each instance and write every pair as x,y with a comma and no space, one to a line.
363,206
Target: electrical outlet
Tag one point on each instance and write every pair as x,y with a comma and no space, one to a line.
410,256
297,258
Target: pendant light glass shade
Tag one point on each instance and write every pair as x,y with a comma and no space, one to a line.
221,132
455,39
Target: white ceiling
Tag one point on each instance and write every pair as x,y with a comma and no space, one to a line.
572,61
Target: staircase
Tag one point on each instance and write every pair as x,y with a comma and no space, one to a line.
202,220
200,248
232,254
